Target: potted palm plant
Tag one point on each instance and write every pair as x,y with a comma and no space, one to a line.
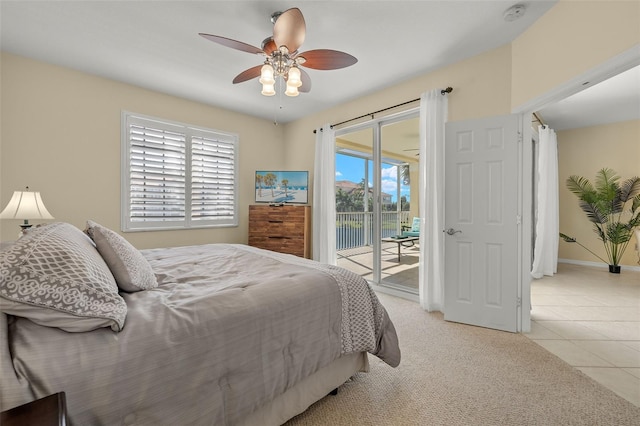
614,209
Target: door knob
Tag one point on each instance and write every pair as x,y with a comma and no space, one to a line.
452,231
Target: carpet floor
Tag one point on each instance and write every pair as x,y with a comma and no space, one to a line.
454,374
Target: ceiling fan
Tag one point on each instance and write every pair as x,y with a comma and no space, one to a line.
282,58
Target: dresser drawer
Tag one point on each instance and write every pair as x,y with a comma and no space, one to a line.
286,245
277,228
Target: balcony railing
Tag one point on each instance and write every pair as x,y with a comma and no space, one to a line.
355,229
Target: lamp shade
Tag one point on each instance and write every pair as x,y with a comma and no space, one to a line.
25,205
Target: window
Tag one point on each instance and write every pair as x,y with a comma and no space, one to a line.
176,176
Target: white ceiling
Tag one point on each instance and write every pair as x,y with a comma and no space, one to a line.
613,100
155,45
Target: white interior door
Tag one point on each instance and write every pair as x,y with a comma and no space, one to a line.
482,222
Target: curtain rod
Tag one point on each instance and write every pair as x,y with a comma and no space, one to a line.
538,119
443,91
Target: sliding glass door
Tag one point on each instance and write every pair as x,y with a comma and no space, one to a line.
376,179
399,142
354,202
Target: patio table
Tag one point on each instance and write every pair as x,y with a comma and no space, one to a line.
402,242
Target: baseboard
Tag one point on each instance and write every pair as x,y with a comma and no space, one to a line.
598,264
395,292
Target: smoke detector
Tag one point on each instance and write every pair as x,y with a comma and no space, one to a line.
514,12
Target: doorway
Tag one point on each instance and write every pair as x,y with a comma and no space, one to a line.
376,182
545,107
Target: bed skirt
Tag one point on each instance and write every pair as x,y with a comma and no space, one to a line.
310,390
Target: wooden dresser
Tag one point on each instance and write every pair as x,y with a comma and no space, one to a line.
285,229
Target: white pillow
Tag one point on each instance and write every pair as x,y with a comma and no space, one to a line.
130,269
54,276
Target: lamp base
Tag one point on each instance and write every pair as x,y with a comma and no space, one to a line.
25,227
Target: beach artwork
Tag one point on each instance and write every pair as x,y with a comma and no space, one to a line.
282,187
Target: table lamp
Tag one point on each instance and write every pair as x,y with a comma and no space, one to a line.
25,205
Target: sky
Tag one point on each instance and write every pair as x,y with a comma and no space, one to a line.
352,169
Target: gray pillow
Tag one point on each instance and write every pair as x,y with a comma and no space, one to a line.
54,276
130,269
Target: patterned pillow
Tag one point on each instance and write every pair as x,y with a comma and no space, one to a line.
54,276
130,269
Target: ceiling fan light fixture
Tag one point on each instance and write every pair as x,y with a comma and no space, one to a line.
267,75
291,90
294,78
268,89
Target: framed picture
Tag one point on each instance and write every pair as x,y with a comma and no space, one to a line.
290,187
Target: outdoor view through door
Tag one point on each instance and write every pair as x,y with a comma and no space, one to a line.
377,200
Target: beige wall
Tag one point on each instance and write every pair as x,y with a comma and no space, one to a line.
61,136
570,39
481,88
583,152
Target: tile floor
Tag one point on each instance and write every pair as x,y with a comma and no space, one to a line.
590,318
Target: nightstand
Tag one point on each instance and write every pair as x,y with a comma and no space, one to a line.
48,411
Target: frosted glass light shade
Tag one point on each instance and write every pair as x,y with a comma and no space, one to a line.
291,90
268,90
294,77
25,205
266,75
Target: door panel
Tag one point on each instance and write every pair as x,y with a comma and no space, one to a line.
481,210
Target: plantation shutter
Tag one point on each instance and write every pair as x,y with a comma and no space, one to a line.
213,192
156,175
177,176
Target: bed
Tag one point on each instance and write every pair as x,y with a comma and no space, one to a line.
222,334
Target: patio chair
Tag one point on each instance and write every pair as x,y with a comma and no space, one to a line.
414,231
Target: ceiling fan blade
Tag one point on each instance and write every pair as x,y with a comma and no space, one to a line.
306,82
268,46
245,75
234,44
326,59
290,29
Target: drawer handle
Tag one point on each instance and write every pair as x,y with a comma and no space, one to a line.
279,237
276,221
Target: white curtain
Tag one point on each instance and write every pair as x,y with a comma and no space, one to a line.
545,253
433,115
324,201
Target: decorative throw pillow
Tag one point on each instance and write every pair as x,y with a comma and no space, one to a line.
54,276
130,269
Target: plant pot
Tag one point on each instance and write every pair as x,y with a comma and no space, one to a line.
614,269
